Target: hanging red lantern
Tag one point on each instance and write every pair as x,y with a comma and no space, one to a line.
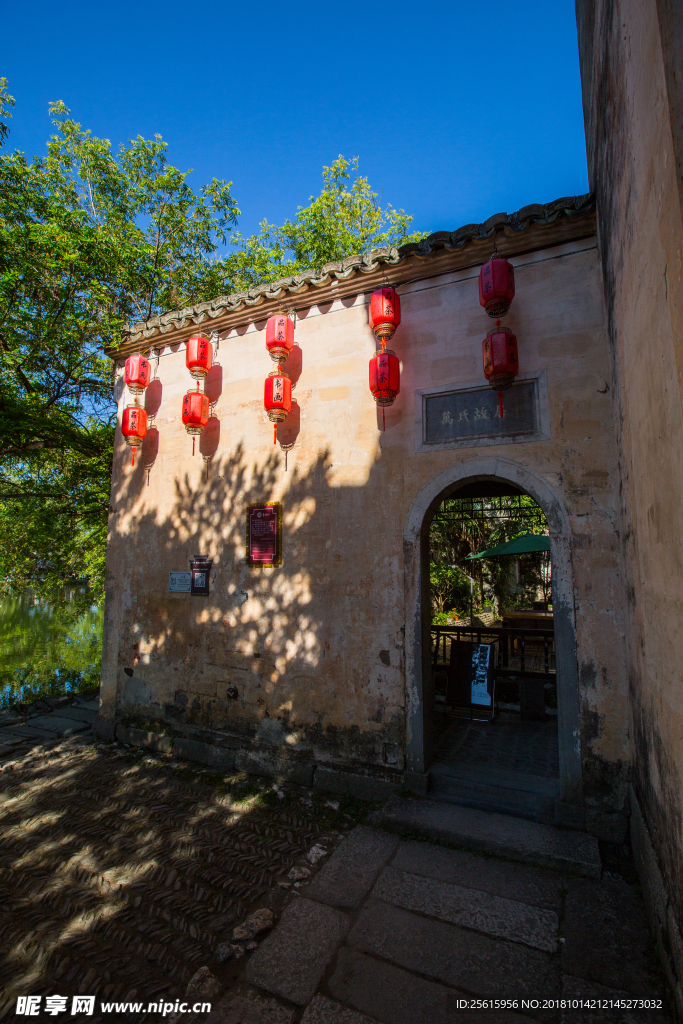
134,427
277,398
279,336
137,374
195,413
385,379
384,313
496,286
501,365
198,356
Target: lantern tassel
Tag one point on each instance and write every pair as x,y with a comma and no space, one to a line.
274,433
193,445
132,461
500,399
384,426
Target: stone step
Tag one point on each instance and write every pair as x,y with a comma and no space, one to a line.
55,724
521,795
78,714
515,838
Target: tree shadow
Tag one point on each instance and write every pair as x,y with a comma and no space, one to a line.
120,872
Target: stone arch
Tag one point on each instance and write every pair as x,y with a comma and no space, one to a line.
417,641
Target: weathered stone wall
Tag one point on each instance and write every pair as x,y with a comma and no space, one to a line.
632,74
306,662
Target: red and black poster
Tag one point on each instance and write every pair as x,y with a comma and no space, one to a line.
264,534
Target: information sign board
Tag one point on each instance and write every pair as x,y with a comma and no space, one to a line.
481,657
179,582
264,534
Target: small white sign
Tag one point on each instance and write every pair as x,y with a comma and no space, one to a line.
179,582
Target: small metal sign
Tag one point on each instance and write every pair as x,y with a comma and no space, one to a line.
179,582
200,571
264,534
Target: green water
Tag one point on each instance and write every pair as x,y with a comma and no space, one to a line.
49,647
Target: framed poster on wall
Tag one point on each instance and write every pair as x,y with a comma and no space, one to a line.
264,534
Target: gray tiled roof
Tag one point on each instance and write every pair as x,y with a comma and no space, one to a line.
287,288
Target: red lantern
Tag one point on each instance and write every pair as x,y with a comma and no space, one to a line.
198,356
277,398
137,374
385,379
279,336
384,313
134,427
496,286
195,413
501,366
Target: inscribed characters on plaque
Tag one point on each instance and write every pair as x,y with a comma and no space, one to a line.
264,534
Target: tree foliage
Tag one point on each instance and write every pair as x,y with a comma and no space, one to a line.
463,527
92,239
342,221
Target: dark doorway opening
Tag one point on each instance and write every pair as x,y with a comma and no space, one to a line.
492,653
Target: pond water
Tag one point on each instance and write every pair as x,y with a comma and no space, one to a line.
49,647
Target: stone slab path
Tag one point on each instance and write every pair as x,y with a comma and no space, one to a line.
124,876
407,932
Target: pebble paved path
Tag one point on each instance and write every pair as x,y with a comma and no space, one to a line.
121,874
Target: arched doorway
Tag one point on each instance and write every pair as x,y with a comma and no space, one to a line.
419,681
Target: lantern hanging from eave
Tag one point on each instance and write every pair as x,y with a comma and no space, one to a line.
277,398
279,336
134,427
198,356
501,366
385,379
195,413
137,374
496,286
384,313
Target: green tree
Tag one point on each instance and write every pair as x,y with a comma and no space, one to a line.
462,527
342,221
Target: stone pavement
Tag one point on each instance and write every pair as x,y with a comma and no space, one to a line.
135,877
406,932
46,723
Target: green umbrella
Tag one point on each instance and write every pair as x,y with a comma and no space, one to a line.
519,546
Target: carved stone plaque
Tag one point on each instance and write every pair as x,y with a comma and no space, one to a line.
469,415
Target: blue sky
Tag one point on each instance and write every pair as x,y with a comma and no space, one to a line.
457,110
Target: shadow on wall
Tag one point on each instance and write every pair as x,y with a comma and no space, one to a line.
296,657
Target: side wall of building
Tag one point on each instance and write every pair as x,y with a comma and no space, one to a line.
632,76
304,664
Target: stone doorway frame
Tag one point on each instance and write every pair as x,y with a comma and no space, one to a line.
419,740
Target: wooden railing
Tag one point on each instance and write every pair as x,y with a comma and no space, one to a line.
518,652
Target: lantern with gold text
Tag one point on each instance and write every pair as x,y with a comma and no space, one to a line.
134,427
198,356
385,379
277,398
384,313
195,413
496,286
137,374
279,336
